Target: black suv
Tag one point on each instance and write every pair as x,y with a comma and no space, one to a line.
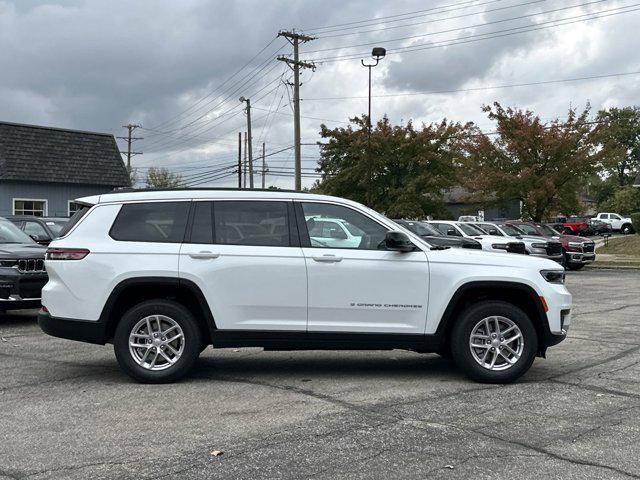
435,238
41,229
22,273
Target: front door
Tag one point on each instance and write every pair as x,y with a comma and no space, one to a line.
357,286
249,266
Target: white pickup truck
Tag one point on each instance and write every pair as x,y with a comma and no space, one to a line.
617,222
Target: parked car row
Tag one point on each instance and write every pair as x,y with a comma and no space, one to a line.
511,236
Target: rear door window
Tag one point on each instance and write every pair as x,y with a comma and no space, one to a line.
257,223
162,222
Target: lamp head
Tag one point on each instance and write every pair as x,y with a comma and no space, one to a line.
378,53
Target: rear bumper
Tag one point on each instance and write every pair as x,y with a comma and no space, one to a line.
72,329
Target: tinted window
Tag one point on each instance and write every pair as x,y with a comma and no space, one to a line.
251,223
202,229
151,222
529,230
324,223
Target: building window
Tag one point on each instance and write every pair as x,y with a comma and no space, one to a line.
28,206
74,207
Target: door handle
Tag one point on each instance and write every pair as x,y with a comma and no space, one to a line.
204,255
327,258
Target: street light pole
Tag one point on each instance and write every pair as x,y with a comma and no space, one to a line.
377,53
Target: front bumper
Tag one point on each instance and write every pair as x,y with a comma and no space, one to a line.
20,290
580,258
556,258
72,329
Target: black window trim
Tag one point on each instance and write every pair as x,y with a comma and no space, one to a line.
305,239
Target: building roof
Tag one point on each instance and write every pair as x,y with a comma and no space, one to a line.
34,153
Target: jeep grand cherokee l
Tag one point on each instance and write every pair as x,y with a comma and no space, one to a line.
163,274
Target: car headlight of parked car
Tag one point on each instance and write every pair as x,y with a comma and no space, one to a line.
500,246
553,276
575,244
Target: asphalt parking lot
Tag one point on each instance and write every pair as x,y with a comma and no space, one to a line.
66,411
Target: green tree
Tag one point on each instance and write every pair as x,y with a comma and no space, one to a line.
544,165
625,200
159,177
399,170
619,137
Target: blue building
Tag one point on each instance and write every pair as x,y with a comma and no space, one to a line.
42,169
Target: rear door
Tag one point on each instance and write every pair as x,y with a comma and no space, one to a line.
246,258
360,286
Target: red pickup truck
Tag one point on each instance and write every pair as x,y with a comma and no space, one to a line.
578,251
572,225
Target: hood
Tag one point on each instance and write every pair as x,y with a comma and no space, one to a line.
489,259
575,238
498,239
22,250
447,241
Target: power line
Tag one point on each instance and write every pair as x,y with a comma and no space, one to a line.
457,29
490,35
170,120
386,19
475,89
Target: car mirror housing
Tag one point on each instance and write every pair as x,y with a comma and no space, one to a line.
396,241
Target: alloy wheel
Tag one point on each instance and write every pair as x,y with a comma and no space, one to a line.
156,342
496,343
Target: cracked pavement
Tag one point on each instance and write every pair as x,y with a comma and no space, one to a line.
66,411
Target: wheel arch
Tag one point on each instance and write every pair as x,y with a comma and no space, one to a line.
132,291
519,294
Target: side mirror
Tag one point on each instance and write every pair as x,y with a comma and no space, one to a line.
398,242
41,239
452,232
493,231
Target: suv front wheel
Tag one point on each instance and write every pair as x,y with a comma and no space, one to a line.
494,342
157,341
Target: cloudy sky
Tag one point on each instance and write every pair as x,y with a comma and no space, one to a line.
177,68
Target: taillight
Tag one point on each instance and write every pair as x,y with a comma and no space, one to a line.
66,253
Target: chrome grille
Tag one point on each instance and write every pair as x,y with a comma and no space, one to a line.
31,265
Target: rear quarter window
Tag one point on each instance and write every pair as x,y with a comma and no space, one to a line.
158,222
75,218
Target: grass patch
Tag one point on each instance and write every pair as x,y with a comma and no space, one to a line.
628,246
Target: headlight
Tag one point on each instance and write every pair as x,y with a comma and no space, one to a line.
575,244
500,246
553,276
6,262
539,245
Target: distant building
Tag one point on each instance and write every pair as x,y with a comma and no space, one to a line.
460,202
637,182
42,169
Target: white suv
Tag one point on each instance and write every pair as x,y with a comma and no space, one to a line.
163,274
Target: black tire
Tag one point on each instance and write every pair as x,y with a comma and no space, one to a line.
575,266
462,331
192,341
626,229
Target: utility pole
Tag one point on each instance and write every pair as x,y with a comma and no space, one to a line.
244,163
130,139
239,159
264,168
295,39
250,141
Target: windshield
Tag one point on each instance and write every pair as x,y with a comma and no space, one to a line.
510,229
470,229
55,226
549,231
420,228
9,233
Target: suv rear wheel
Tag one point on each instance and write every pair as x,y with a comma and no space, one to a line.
157,341
494,342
